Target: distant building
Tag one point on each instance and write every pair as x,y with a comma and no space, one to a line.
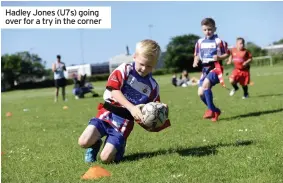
100,68
88,69
274,49
117,60
106,67
78,69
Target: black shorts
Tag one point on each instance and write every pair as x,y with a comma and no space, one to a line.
60,82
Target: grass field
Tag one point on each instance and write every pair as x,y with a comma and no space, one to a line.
39,141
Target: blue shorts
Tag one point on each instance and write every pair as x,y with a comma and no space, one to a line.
76,91
211,76
82,90
112,136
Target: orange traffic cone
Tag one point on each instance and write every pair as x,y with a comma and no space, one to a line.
8,114
95,172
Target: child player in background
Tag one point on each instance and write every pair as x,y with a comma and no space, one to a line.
210,50
241,58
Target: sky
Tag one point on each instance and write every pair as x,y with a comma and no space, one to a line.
258,22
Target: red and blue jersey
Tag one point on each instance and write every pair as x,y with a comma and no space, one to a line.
135,88
205,49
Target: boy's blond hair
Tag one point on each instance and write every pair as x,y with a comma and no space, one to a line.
148,48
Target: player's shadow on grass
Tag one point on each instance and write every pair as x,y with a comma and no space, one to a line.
259,113
269,95
195,151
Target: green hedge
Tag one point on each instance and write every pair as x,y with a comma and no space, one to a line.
164,71
50,82
33,85
100,77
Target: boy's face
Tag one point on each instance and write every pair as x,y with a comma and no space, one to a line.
143,65
240,45
208,30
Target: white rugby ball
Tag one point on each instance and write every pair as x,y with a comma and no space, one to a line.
154,115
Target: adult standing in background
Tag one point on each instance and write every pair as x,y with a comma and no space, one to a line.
60,81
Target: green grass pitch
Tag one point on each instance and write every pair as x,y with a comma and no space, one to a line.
39,142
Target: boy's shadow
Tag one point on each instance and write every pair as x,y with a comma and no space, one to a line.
269,95
259,113
196,151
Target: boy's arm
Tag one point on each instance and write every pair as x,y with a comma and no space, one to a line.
64,67
114,84
53,68
249,59
220,57
229,60
224,52
134,110
247,62
196,57
196,60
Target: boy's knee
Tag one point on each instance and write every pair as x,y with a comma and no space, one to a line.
107,157
82,142
206,84
231,80
200,92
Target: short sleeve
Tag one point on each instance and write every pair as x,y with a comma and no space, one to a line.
196,48
249,55
222,47
117,77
